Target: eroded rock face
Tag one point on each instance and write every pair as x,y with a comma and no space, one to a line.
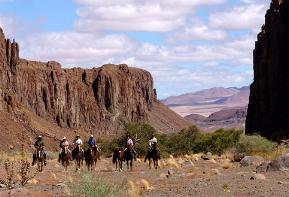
98,99
268,110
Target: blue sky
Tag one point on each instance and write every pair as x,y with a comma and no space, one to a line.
187,45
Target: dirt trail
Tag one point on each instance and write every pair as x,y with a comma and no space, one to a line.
177,177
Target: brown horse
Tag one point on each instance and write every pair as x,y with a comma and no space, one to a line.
77,155
40,158
118,158
91,155
154,155
65,157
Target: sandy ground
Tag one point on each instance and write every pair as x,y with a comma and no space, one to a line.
176,177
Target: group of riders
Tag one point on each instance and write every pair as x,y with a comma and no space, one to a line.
78,143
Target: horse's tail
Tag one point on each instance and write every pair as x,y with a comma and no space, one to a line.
115,156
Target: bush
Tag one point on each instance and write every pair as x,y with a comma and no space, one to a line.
217,142
183,142
254,144
91,186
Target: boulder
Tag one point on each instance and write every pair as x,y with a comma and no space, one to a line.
258,177
207,156
263,167
279,164
251,160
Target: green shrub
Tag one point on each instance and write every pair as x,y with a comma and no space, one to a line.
254,144
92,186
182,142
217,142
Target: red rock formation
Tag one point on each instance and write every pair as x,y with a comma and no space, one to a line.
98,99
268,110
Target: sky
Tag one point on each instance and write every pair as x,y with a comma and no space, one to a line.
187,45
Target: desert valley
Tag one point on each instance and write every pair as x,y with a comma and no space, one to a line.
212,142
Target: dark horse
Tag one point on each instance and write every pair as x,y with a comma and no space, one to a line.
120,155
40,158
78,156
65,157
91,155
128,157
154,154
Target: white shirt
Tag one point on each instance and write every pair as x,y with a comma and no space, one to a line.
152,141
129,142
78,142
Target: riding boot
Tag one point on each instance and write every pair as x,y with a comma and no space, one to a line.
44,155
33,159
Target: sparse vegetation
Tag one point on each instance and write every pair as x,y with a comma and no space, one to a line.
191,140
89,185
257,145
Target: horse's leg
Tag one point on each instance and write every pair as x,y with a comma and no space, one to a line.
150,163
130,164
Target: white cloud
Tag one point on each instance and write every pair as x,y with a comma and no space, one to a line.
135,15
201,32
73,48
249,16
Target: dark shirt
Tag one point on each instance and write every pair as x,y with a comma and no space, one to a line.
38,144
91,142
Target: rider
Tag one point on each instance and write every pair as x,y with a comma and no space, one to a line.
39,144
152,141
129,143
91,142
78,142
63,144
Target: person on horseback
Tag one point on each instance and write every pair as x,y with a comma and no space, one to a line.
91,141
39,144
64,144
152,142
78,142
129,143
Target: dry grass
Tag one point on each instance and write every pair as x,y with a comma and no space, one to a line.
227,164
280,150
132,189
172,163
135,189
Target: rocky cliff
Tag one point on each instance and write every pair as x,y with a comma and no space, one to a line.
97,100
268,110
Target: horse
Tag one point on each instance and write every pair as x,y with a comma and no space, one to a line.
118,158
91,155
40,158
77,155
65,157
154,155
129,156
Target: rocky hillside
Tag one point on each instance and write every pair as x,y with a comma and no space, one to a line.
226,118
98,100
268,111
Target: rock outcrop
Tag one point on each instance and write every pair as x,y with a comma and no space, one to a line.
98,100
268,110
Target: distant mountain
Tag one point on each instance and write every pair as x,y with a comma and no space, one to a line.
208,101
227,118
207,96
